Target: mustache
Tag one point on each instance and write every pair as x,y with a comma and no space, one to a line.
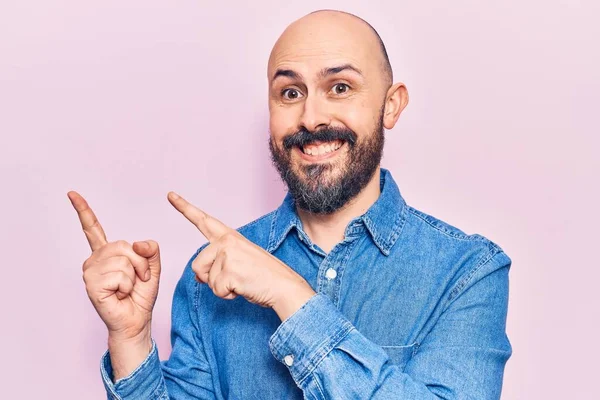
304,137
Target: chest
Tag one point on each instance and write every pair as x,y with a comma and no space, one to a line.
388,299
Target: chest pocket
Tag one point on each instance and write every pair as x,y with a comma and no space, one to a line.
401,355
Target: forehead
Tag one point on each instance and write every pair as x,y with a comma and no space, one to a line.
323,42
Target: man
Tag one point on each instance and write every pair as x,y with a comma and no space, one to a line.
343,292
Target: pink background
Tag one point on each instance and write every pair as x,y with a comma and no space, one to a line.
126,100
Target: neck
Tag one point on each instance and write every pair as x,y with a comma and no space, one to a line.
328,230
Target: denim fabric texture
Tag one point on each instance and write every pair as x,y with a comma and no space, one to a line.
407,307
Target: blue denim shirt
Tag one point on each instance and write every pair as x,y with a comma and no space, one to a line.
407,307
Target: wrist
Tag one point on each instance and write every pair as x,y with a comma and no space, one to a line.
126,354
128,338
292,299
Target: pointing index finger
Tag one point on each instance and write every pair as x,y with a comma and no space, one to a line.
89,223
210,227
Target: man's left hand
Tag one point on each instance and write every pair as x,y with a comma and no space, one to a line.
231,265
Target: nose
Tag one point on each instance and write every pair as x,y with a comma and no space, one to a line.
314,114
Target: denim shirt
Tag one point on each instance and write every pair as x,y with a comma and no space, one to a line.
407,307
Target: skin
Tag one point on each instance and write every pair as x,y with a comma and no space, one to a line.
317,42
122,279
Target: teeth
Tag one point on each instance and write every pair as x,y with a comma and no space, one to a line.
321,149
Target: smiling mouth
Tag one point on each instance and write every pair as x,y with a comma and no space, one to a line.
317,149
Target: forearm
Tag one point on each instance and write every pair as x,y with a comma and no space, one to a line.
328,358
127,354
292,299
146,381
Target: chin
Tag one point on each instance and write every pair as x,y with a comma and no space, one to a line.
319,173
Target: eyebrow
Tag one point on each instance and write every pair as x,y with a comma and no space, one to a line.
287,73
336,70
325,72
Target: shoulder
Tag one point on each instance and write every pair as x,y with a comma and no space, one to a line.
467,257
439,227
433,229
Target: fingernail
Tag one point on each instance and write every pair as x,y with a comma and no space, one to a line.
147,275
174,196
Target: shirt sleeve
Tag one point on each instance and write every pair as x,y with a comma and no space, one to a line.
186,374
462,357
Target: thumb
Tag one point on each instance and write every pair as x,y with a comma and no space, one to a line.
150,250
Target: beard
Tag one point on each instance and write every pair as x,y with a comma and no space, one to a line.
325,187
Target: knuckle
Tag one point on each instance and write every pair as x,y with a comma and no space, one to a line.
95,224
195,265
122,245
221,292
198,263
202,278
229,239
213,282
224,258
124,262
119,262
197,258
124,279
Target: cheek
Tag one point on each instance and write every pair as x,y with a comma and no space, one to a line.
358,119
281,122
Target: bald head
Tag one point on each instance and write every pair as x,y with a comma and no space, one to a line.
344,33
386,65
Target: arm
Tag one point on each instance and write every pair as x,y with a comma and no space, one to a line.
186,374
463,357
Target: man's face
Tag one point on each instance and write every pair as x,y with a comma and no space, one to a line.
326,98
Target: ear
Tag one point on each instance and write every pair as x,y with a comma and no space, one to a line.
395,101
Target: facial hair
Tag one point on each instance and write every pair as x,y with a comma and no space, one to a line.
314,188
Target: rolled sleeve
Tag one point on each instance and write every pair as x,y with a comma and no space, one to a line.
145,382
304,339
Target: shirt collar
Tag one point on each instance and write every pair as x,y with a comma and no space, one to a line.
384,219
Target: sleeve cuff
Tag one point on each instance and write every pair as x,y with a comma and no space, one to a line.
145,382
304,339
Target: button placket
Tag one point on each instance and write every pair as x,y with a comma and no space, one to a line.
330,274
340,265
328,283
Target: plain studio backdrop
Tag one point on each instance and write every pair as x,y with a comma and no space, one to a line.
126,100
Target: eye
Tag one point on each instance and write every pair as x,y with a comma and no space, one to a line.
291,94
340,88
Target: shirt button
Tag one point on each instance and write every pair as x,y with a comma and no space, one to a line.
288,360
331,273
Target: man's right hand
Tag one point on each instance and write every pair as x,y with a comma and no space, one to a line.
122,283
